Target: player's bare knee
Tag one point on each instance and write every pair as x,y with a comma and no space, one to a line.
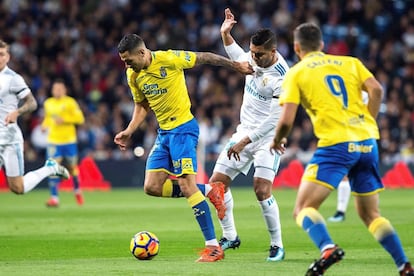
17,189
150,190
219,177
262,191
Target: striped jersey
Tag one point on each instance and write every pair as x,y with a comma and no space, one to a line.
260,88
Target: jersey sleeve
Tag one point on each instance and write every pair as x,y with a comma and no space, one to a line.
19,87
290,90
75,114
183,59
363,71
235,52
137,95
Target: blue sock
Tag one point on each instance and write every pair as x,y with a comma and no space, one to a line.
202,214
314,224
392,244
75,180
385,234
53,186
317,232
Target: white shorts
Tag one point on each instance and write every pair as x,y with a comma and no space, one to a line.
258,153
12,159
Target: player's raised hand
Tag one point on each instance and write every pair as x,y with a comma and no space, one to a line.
228,22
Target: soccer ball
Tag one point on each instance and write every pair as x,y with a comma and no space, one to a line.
144,245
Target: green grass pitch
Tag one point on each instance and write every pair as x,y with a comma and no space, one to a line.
94,239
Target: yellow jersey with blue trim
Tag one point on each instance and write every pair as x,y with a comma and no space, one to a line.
67,109
329,88
163,85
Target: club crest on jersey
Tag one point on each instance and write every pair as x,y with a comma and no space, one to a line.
163,72
265,81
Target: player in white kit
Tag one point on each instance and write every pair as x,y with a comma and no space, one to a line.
259,114
14,89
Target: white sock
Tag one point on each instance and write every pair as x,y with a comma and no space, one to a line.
213,242
344,193
33,178
270,211
207,188
227,223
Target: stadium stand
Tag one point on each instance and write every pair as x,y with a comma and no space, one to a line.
76,41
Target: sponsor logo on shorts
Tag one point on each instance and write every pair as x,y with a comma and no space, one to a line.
352,147
187,164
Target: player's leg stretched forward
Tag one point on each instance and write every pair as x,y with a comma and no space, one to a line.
309,198
222,201
24,184
158,184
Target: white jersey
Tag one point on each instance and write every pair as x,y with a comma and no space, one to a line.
13,88
259,114
260,109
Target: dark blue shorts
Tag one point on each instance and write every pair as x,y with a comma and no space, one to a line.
358,160
175,150
68,152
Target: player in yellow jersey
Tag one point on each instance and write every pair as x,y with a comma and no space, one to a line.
157,82
62,115
329,89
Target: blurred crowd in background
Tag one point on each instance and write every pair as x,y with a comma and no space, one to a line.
77,40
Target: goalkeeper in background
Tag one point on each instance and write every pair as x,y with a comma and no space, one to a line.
62,115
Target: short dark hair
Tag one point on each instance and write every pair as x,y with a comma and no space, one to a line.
265,38
309,36
60,80
130,42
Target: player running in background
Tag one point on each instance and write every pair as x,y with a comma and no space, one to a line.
329,89
249,145
62,115
157,82
13,91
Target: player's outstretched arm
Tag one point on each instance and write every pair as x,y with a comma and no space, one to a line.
140,112
217,60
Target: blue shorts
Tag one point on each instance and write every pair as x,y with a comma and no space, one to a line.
68,152
358,160
175,150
